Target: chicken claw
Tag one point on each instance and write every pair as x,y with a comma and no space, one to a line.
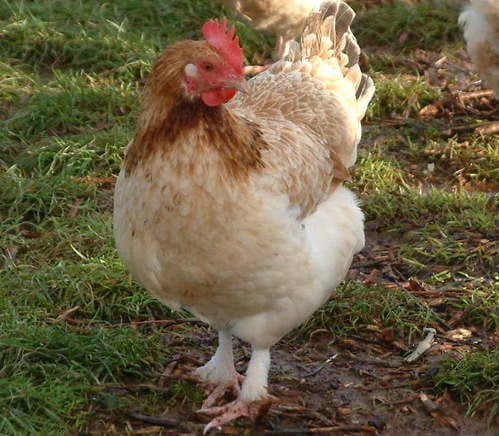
217,391
230,411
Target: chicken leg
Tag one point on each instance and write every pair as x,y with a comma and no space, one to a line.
220,368
254,388
220,372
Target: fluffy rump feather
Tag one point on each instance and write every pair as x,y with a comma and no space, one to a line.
283,18
480,20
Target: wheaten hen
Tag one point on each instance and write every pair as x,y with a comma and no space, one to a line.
231,205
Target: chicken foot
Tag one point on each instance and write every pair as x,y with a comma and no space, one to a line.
236,409
220,372
254,388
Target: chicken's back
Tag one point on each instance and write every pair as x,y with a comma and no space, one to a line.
480,20
309,107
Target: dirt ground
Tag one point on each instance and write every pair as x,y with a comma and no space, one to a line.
359,384
356,386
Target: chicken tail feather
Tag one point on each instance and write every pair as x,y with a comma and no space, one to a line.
327,35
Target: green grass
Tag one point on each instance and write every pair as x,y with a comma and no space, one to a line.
405,27
71,75
474,378
109,37
72,103
399,96
480,305
356,308
48,371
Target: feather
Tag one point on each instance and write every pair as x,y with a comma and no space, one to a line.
480,20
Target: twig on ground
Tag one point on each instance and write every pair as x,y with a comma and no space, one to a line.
474,94
436,411
439,319
64,316
428,404
343,428
331,429
409,399
133,387
165,322
488,128
320,367
374,361
380,387
156,420
482,128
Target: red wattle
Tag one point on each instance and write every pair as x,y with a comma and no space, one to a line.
215,97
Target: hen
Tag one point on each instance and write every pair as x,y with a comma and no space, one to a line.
283,18
230,204
480,20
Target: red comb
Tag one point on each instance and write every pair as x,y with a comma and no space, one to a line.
225,41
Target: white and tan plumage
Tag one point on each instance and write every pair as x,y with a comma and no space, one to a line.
236,211
283,18
480,20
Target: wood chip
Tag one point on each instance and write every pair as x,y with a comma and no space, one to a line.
428,404
459,334
423,346
488,128
332,429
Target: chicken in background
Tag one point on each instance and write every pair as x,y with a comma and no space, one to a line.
230,201
283,18
480,20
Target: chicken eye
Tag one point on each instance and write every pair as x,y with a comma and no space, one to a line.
208,66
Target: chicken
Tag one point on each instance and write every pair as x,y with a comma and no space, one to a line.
230,200
480,20
283,18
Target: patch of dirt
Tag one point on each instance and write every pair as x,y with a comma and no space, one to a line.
462,96
356,385
362,386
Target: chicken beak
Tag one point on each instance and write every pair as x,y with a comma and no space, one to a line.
238,83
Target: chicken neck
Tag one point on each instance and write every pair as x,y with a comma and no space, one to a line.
165,128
